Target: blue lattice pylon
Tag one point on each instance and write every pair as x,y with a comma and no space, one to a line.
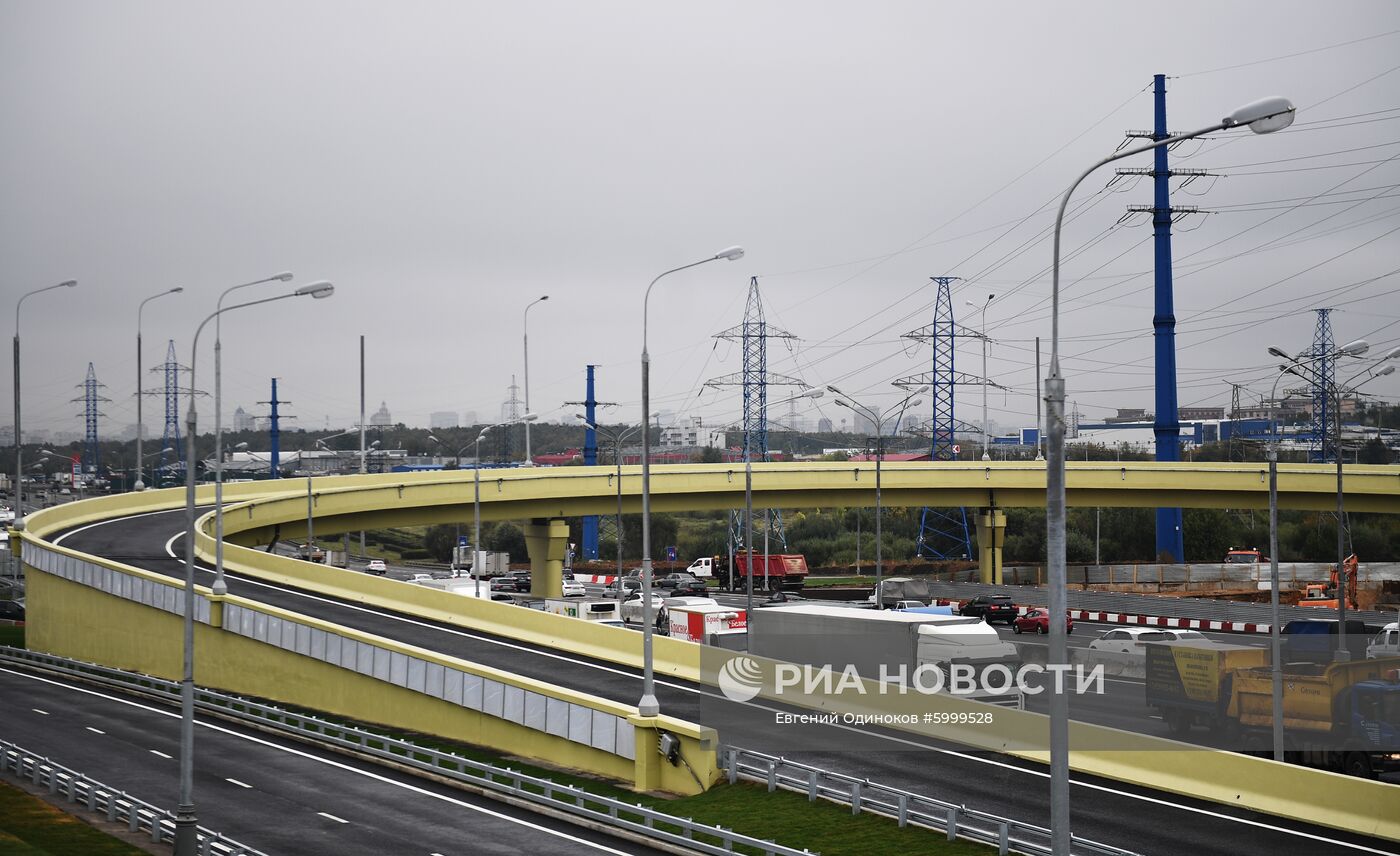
943,532
754,381
1324,379
90,400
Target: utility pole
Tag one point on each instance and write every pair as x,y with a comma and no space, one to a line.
590,458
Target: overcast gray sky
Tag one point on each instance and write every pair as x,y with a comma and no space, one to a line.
446,163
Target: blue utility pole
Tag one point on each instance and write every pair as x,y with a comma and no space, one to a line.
590,458
274,432
1166,427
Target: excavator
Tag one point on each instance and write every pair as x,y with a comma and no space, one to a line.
1325,596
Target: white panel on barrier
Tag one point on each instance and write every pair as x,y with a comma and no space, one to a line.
398,669
557,717
332,651
472,689
513,709
493,695
604,731
536,709
452,686
318,643
289,635
432,684
260,626
303,643
581,724
382,662
417,674
626,740
274,631
203,610
364,658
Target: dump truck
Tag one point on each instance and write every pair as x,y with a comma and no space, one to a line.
1341,716
783,572
884,645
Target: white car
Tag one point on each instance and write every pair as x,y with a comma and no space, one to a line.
1129,640
633,607
573,589
418,578
376,566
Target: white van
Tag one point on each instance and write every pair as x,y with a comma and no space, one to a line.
702,568
1386,643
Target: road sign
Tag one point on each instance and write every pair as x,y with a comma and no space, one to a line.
957,449
461,540
670,554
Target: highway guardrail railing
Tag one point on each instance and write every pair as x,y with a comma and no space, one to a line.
117,806
905,807
632,818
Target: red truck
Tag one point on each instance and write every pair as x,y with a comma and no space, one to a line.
785,572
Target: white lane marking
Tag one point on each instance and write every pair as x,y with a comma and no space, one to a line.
59,540
37,710
160,753
1002,764
95,730
240,784
331,763
332,817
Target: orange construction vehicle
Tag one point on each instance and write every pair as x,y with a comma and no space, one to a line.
1325,596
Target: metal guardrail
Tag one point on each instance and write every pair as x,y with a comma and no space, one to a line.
906,807
1208,609
639,819
117,806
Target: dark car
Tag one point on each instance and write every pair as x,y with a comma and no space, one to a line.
13,610
521,578
681,584
503,584
991,608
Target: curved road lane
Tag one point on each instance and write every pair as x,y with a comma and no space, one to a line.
1138,819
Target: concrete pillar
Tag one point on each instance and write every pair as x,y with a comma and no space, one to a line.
546,541
991,535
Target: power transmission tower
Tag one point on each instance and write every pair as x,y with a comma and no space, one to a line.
754,380
510,412
274,431
943,532
90,400
1323,380
1235,443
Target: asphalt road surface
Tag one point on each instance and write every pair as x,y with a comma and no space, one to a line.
270,793
1135,818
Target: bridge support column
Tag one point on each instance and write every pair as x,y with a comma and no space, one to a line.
547,541
991,535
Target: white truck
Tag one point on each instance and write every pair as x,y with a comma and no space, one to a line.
491,564
600,610
702,568
706,622
1386,643
886,644
456,585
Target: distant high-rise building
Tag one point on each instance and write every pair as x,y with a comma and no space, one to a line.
469,418
242,420
381,417
824,425
442,419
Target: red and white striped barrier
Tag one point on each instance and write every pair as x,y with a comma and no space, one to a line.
594,578
1147,620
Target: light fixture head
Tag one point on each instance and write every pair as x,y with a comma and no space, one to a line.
1385,370
1391,354
1264,116
1354,349
916,402
176,290
730,253
284,276
241,446
68,283
1279,352
529,417
319,289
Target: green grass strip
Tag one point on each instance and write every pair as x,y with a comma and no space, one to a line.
31,827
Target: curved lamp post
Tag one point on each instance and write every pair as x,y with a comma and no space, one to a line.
185,820
140,425
1262,117
986,431
879,419
648,705
18,524
219,586
476,502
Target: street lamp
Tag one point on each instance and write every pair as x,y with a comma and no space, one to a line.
141,426
18,524
525,324
617,438
648,705
219,586
1263,116
185,820
986,431
476,481
879,418
1373,371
